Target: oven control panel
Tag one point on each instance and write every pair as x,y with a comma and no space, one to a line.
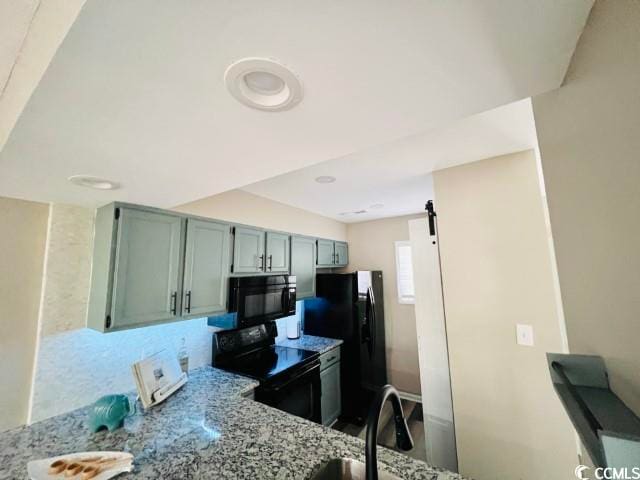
232,341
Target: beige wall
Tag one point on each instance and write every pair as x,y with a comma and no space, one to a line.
589,137
22,246
372,247
244,207
497,272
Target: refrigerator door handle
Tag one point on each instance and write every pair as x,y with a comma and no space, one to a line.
366,326
372,322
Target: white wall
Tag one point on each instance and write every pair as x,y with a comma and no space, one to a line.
589,137
22,245
497,272
372,247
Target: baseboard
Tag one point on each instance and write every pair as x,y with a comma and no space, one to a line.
411,397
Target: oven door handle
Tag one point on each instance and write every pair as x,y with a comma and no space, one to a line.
302,373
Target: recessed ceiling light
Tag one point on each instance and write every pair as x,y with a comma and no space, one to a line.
263,83
376,206
90,181
325,179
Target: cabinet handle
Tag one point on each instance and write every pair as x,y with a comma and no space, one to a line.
337,258
270,262
261,262
188,301
174,303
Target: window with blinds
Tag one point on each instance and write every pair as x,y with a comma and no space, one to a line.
404,273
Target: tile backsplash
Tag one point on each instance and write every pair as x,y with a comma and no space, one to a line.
76,367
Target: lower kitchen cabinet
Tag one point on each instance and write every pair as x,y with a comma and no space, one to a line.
331,403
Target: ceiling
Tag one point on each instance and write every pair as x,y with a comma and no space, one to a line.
135,92
15,18
397,175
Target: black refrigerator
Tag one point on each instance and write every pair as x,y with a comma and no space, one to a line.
350,306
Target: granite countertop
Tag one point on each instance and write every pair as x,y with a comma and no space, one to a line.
206,430
310,342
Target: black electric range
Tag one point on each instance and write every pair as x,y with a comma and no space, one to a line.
289,377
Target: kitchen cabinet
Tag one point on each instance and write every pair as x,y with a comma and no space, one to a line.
248,250
342,254
303,266
153,266
206,268
277,251
330,403
256,251
326,254
332,253
136,274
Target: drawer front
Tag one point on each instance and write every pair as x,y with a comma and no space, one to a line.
329,358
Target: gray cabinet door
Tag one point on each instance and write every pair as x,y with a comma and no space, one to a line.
248,250
330,405
303,266
147,269
326,253
206,268
278,255
342,254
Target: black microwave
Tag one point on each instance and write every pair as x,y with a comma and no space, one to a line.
260,299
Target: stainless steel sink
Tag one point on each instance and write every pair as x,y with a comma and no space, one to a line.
346,469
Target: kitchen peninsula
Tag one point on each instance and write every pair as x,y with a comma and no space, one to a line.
206,430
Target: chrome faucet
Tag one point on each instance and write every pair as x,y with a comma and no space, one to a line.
403,437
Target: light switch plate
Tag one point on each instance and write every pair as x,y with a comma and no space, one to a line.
524,335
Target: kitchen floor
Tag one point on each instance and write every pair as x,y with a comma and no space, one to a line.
386,429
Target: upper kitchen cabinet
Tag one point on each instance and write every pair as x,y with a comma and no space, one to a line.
249,250
137,268
342,254
303,266
277,252
206,268
326,254
332,253
256,251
